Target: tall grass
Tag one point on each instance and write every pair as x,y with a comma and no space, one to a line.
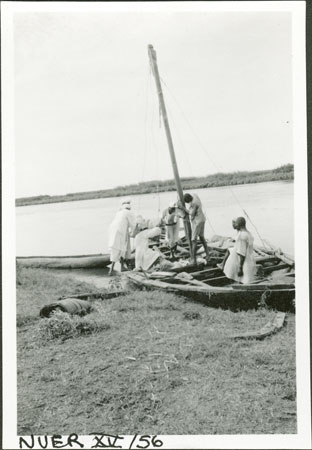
154,363
282,173
65,326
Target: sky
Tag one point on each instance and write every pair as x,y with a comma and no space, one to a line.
86,112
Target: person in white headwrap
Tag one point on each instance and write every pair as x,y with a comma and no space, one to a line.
171,220
119,235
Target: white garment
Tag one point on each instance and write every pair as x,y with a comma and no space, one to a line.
145,256
172,223
243,246
119,235
126,201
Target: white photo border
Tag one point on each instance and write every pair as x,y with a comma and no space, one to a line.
300,440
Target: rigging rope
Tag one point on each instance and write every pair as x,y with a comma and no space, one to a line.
209,157
180,140
210,224
185,156
190,126
148,81
150,142
155,147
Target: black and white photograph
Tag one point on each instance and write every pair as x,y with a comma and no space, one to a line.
155,225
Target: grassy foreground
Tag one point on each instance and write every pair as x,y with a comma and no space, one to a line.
156,363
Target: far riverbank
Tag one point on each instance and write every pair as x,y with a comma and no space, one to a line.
81,227
283,173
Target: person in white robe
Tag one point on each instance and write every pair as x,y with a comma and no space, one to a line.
239,263
119,235
145,257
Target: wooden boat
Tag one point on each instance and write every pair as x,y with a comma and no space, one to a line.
65,262
207,284
95,261
210,285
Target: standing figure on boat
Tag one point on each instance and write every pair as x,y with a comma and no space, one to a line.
198,219
239,263
171,220
119,236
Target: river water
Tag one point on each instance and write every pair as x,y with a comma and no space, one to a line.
81,227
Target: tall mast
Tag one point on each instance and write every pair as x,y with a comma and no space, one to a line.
186,220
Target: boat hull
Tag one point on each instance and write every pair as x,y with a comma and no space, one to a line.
65,262
280,298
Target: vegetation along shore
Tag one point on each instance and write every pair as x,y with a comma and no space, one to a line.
152,361
283,173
